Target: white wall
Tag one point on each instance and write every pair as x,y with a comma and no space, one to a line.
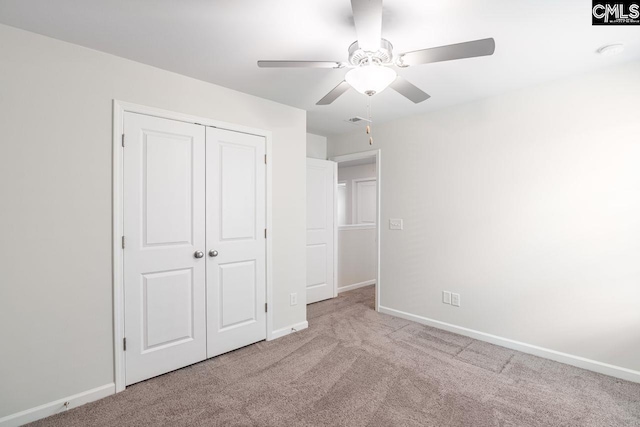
316,146
356,257
528,205
55,183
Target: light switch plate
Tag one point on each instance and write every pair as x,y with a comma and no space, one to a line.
395,224
446,297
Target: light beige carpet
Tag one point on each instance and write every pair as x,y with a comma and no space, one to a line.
355,367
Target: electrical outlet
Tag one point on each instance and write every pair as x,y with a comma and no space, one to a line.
446,297
455,300
293,299
395,224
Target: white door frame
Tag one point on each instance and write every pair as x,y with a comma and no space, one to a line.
364,155
119,108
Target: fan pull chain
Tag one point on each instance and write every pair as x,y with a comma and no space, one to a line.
369,131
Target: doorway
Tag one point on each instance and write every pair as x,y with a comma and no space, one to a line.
358,221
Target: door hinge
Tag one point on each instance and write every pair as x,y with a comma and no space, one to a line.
122,242
265,159
124,344
265,307
265,233
123,140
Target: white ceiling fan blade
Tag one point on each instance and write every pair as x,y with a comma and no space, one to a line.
334,93
472,49
367,16
300,64
409,90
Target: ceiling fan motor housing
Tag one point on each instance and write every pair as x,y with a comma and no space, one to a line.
383,56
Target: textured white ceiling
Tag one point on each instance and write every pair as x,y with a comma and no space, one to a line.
220,41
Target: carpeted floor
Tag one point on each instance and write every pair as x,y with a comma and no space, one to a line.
355,367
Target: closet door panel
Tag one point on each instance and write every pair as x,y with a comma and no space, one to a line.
236,243
164,226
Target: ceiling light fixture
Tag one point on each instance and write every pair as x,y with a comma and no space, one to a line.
370,78
612,49
371,55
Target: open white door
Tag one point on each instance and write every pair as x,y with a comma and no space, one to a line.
321,183
164,229
236,240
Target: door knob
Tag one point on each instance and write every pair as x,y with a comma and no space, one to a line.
198,254
213,253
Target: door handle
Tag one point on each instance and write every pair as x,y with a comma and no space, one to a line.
213,253
198,254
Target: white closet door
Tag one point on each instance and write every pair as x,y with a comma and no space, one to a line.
164,226
320,231
236,243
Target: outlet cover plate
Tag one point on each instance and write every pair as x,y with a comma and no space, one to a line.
455,300
293,299
395,224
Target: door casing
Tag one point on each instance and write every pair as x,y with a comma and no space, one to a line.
119,108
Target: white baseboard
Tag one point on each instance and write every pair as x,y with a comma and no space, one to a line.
569,359
356,285
57,406
288,330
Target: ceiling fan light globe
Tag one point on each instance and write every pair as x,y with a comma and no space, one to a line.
370,78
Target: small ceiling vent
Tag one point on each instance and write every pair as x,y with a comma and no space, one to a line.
357,119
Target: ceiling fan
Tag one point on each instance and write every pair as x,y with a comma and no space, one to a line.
371,58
